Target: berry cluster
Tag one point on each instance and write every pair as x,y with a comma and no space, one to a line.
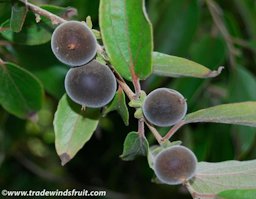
92,84
88,83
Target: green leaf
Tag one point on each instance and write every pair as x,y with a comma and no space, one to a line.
212,178
73,128
127,36
21,93
239,89
19,12
119,104
172,66
243,113
134,145
175,24
237,194
242,88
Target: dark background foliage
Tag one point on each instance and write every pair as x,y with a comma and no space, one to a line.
185,28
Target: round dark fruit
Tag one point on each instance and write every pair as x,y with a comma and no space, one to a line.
91,85
164,107
73,43
175,165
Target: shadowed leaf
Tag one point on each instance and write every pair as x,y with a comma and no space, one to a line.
73,128
21,93
119,104
134,145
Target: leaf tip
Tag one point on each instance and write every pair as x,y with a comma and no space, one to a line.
126,157
65,158
1,62
215,73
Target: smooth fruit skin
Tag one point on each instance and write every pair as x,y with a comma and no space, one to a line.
175,165
73,43
164,107
92,85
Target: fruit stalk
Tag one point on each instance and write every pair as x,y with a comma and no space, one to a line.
173,130
155,133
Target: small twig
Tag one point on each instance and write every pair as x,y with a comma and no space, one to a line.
141,129
156,134
126,89
173,130
137,87
122,83
215,12
37,10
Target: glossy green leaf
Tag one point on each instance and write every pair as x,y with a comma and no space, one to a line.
21,93
172,66
127,37
73,128
175,25
237,194
19,12
119,104
212,178
243,113
134,145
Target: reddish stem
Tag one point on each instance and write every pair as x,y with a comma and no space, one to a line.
141,129
156,134
173,130
54,18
